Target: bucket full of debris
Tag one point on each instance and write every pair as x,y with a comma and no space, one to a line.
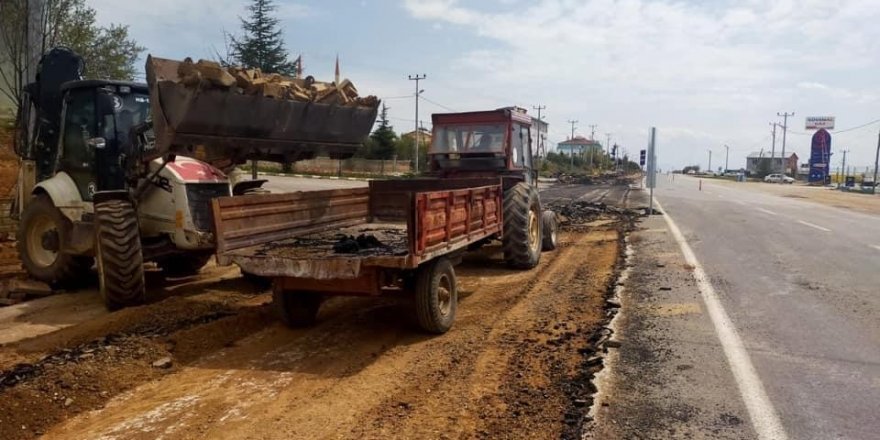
211,112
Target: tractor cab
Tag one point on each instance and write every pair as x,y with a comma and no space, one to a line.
475,144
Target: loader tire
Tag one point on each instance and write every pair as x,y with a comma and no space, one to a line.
550,226
521,238
184,265
120,258
42,232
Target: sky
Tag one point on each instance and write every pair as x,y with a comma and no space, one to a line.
705,73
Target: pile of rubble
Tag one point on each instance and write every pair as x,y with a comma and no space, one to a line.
581,211
207,74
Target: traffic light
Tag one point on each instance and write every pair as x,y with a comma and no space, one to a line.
642,157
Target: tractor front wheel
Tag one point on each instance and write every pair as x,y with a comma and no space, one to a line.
120,258
521,237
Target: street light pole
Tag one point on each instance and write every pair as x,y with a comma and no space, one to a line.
710,161
417,78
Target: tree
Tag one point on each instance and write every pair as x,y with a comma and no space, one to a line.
109,52
384,139
262,45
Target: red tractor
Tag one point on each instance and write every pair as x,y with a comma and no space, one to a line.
499,143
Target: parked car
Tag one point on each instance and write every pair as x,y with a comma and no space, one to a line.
778,178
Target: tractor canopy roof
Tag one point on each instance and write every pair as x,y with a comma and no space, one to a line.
482,117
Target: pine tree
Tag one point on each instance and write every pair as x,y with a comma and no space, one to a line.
384,138
262,45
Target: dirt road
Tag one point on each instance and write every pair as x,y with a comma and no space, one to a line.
211,361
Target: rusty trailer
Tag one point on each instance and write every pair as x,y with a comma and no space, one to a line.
399,237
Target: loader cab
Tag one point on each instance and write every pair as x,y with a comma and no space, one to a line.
487,143
96,121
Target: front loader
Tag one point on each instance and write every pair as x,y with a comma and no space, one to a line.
122,173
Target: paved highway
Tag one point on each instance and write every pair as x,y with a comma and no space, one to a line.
800,283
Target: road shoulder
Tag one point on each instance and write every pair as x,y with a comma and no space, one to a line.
669,378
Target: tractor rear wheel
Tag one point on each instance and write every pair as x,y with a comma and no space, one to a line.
120,258
521,238
184,265
42,232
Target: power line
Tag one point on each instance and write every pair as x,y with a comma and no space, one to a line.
438,104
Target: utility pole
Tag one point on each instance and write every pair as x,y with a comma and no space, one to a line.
784,131
592,131
773,148
419,91
876,163
572,127
539,108
710,161
842,168
726,157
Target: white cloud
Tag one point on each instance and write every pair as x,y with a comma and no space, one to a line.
707,73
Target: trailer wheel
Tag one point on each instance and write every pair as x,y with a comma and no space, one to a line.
548,241
521,238
297,309
436,296
120,258
42,231
184,265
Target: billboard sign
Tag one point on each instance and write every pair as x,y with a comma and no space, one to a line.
820,122
820,158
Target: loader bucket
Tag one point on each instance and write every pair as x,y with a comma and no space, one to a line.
222,125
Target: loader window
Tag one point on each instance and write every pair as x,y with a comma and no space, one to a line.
79,126
130,110
468,139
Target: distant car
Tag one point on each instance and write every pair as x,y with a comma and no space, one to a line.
778,178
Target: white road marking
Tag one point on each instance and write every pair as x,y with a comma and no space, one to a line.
719,196
875,247
761,411
739,202
766,211
814,226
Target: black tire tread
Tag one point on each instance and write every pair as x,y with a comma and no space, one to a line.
518,200
427,311
550,225
121,261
